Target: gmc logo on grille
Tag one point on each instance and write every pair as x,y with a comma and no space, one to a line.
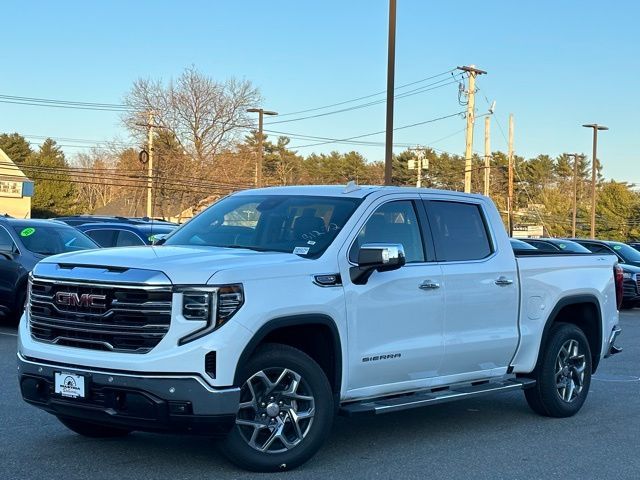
86,300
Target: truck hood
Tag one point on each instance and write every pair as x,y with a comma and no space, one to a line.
182,264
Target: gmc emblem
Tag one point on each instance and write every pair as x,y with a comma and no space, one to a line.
85,300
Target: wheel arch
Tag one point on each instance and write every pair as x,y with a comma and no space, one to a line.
325,347
584,312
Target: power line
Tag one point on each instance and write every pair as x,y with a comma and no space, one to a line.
365,96
368,104
334,140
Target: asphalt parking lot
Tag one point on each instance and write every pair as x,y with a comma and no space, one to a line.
488,438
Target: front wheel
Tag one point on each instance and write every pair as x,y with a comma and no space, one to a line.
285,412
564,374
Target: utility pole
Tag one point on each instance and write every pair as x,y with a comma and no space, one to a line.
510,158
419,163
576,159
391,66
471,105
487,154
261,113
594,168
150,167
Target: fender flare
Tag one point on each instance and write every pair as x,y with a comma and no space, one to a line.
565,302
293,321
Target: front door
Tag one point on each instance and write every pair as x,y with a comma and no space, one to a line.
395,320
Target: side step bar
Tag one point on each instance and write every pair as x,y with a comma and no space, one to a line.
433,396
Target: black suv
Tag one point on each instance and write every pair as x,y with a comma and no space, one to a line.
23,243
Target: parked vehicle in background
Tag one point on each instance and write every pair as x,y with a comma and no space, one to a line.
75,220
625,253
275,308
635,245
125,234
556,245
519,245
629,260
23,243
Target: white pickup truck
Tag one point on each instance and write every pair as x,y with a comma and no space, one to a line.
277,308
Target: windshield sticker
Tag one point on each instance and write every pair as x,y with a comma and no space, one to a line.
311,242
562,245
301,250
27,232
617,247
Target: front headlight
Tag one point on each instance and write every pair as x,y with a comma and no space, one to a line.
213,305
627,275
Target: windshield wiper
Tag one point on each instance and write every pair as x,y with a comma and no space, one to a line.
255,249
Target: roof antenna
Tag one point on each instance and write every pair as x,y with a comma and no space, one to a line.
351,187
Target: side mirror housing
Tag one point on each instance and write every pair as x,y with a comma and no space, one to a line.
382,257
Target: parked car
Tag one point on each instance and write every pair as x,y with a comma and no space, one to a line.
125,234
75,220
629,260
23,243
556,244
277,308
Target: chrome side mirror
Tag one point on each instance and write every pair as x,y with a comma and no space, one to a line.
382,257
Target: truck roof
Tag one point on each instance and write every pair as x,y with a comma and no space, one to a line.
349,191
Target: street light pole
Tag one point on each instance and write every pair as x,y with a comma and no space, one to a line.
594,166
261,113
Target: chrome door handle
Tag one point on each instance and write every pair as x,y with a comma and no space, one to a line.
503,281
429,285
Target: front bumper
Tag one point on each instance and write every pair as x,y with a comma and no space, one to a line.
154,403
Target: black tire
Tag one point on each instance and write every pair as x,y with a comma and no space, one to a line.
93,430
549,396
275,360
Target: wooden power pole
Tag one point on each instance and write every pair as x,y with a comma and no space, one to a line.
510,158
471,105
576,159
150,167
487,154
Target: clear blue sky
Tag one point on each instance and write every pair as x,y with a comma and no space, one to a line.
554,64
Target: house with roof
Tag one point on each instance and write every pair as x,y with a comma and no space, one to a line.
16,189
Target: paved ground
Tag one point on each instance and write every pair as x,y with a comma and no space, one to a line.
490,438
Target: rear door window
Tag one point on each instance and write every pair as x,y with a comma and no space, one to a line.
459,231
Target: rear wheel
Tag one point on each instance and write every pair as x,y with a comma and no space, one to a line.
285,412
564,375
92,430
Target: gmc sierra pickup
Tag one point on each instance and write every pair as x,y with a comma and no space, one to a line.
277,308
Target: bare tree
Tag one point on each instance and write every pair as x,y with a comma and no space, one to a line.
204,115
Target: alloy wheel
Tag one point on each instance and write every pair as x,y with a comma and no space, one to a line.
570,370
276,410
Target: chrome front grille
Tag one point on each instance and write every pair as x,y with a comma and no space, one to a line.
118,318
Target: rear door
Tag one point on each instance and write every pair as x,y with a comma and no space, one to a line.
481,289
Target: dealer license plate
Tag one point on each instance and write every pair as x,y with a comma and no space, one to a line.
69,385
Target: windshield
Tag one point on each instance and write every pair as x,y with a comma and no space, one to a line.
299,224
51,240
628,254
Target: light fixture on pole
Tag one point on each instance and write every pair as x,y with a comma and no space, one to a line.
261,113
